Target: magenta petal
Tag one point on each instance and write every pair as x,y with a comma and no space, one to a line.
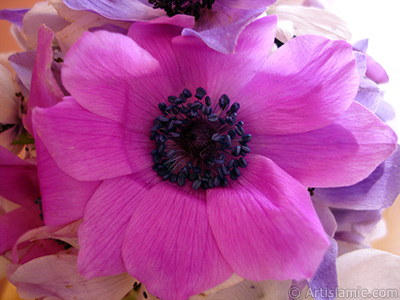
106,217
19,182
63,197
226,74
169,246
111,76
221,26
340,154
265,224
16,223
306,84
45,91
84,145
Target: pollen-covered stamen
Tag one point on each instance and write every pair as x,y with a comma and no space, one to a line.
197,142
186,7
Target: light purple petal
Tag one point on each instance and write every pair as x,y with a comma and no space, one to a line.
325,279
353,225
84,145
306,84
45,91
119,75
14,16
23,64
16,223
379,190
340,154
246,4
63,197
106,217
169,246
361,45
265,224
375,71
19,182
385,111
57,276
368,94
226,74
221,26
325,216
133,10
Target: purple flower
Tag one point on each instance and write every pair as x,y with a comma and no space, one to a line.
217,22
204,157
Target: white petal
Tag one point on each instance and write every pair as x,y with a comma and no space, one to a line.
310,20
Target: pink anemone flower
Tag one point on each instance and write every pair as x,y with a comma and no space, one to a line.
205,158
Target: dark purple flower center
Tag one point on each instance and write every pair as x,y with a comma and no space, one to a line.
186,7
197,142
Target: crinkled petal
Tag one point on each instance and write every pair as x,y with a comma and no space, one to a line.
134,10
119,75
369,94
225,74
306,84
19,182
326,277
84,145
16,223
169,246
45,91
63,197
385,111
221,26
340,154
57,276
106,217
379,190
265,224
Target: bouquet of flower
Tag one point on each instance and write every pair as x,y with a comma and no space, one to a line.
212,149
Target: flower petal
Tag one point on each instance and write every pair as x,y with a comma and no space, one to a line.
45,91
379,190
221,26
245,4
225,74
356,142
84,145
106,217
19,182
265,224
63,197
14,16
16,223
111,76
369,270
169,246
57,276
326,277
306,84
134,10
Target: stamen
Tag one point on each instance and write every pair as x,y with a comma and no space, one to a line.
197,143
